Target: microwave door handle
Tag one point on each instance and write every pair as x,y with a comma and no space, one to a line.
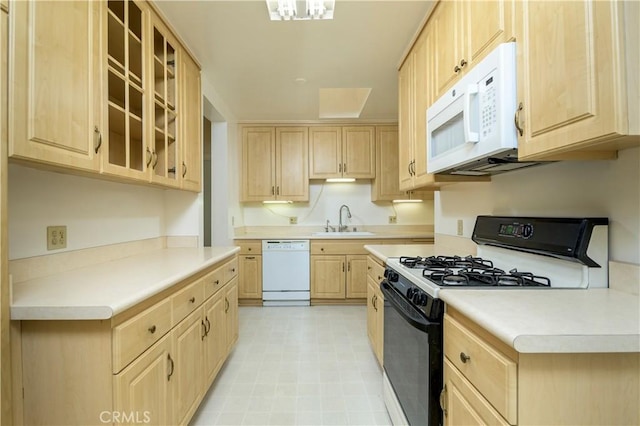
469,136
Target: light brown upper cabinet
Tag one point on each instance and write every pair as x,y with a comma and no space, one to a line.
96,89
417,91
337,152
465,32
385,186
275,163
191,132
56,68
577,79
123,146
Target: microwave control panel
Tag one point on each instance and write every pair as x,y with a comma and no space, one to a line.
488,106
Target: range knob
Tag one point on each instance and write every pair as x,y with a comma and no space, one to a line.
410,292
391,276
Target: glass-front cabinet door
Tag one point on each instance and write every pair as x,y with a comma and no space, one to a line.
126,153
164,144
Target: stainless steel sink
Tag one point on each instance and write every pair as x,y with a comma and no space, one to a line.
343,234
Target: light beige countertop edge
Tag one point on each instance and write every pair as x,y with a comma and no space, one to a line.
103,290
543,321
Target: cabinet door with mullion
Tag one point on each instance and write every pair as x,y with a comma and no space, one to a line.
55,74
164,142
124,148
190,125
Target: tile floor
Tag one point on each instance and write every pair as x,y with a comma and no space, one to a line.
298,366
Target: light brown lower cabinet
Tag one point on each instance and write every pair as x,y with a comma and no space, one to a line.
488,382
375,308
81,372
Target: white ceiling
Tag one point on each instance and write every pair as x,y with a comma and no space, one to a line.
253,63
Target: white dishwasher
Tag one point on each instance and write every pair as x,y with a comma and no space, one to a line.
285,273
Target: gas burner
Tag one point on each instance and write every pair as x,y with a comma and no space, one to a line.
411,261
455,280
436,274
522,279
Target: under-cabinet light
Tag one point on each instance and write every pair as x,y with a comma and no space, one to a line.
334,180
277,202
407,201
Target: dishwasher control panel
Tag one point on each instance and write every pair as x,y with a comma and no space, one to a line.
285,245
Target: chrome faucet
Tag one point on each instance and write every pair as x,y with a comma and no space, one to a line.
342,227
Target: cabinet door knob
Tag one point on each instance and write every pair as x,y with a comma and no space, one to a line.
171,367
98,144
152,329
516,119
464,357
443,399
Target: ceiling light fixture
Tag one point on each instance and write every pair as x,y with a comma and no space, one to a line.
299,10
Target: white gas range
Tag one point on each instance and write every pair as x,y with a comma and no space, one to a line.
513,253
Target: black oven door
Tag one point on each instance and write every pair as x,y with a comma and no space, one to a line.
412,358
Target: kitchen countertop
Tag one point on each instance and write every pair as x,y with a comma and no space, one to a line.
104,290
332,236
546,320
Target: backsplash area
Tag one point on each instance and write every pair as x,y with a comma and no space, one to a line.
95,212
579,188
325,200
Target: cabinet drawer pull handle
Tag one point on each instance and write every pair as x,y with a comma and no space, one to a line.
457,69
184,169
340,167
217,282
443,399
152,329
149,157
204,329
226,305
464,357
516,119
171,369
155,159
463,62
206,319
349,266
273,190
193,299
344,168
99,143
250,257
342,266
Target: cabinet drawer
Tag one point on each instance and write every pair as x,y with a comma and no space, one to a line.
464,404
230,269
250,247
213,282
375,270
490,371
135,335
343,247
187,300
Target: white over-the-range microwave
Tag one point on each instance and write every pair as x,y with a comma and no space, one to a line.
471,129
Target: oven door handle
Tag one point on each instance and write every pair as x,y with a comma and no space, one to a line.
392,296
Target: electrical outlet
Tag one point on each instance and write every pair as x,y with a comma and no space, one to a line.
293,220
460,227
393,219
56,237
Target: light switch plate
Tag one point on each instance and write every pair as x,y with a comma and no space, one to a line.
393,219
56,237
293,220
